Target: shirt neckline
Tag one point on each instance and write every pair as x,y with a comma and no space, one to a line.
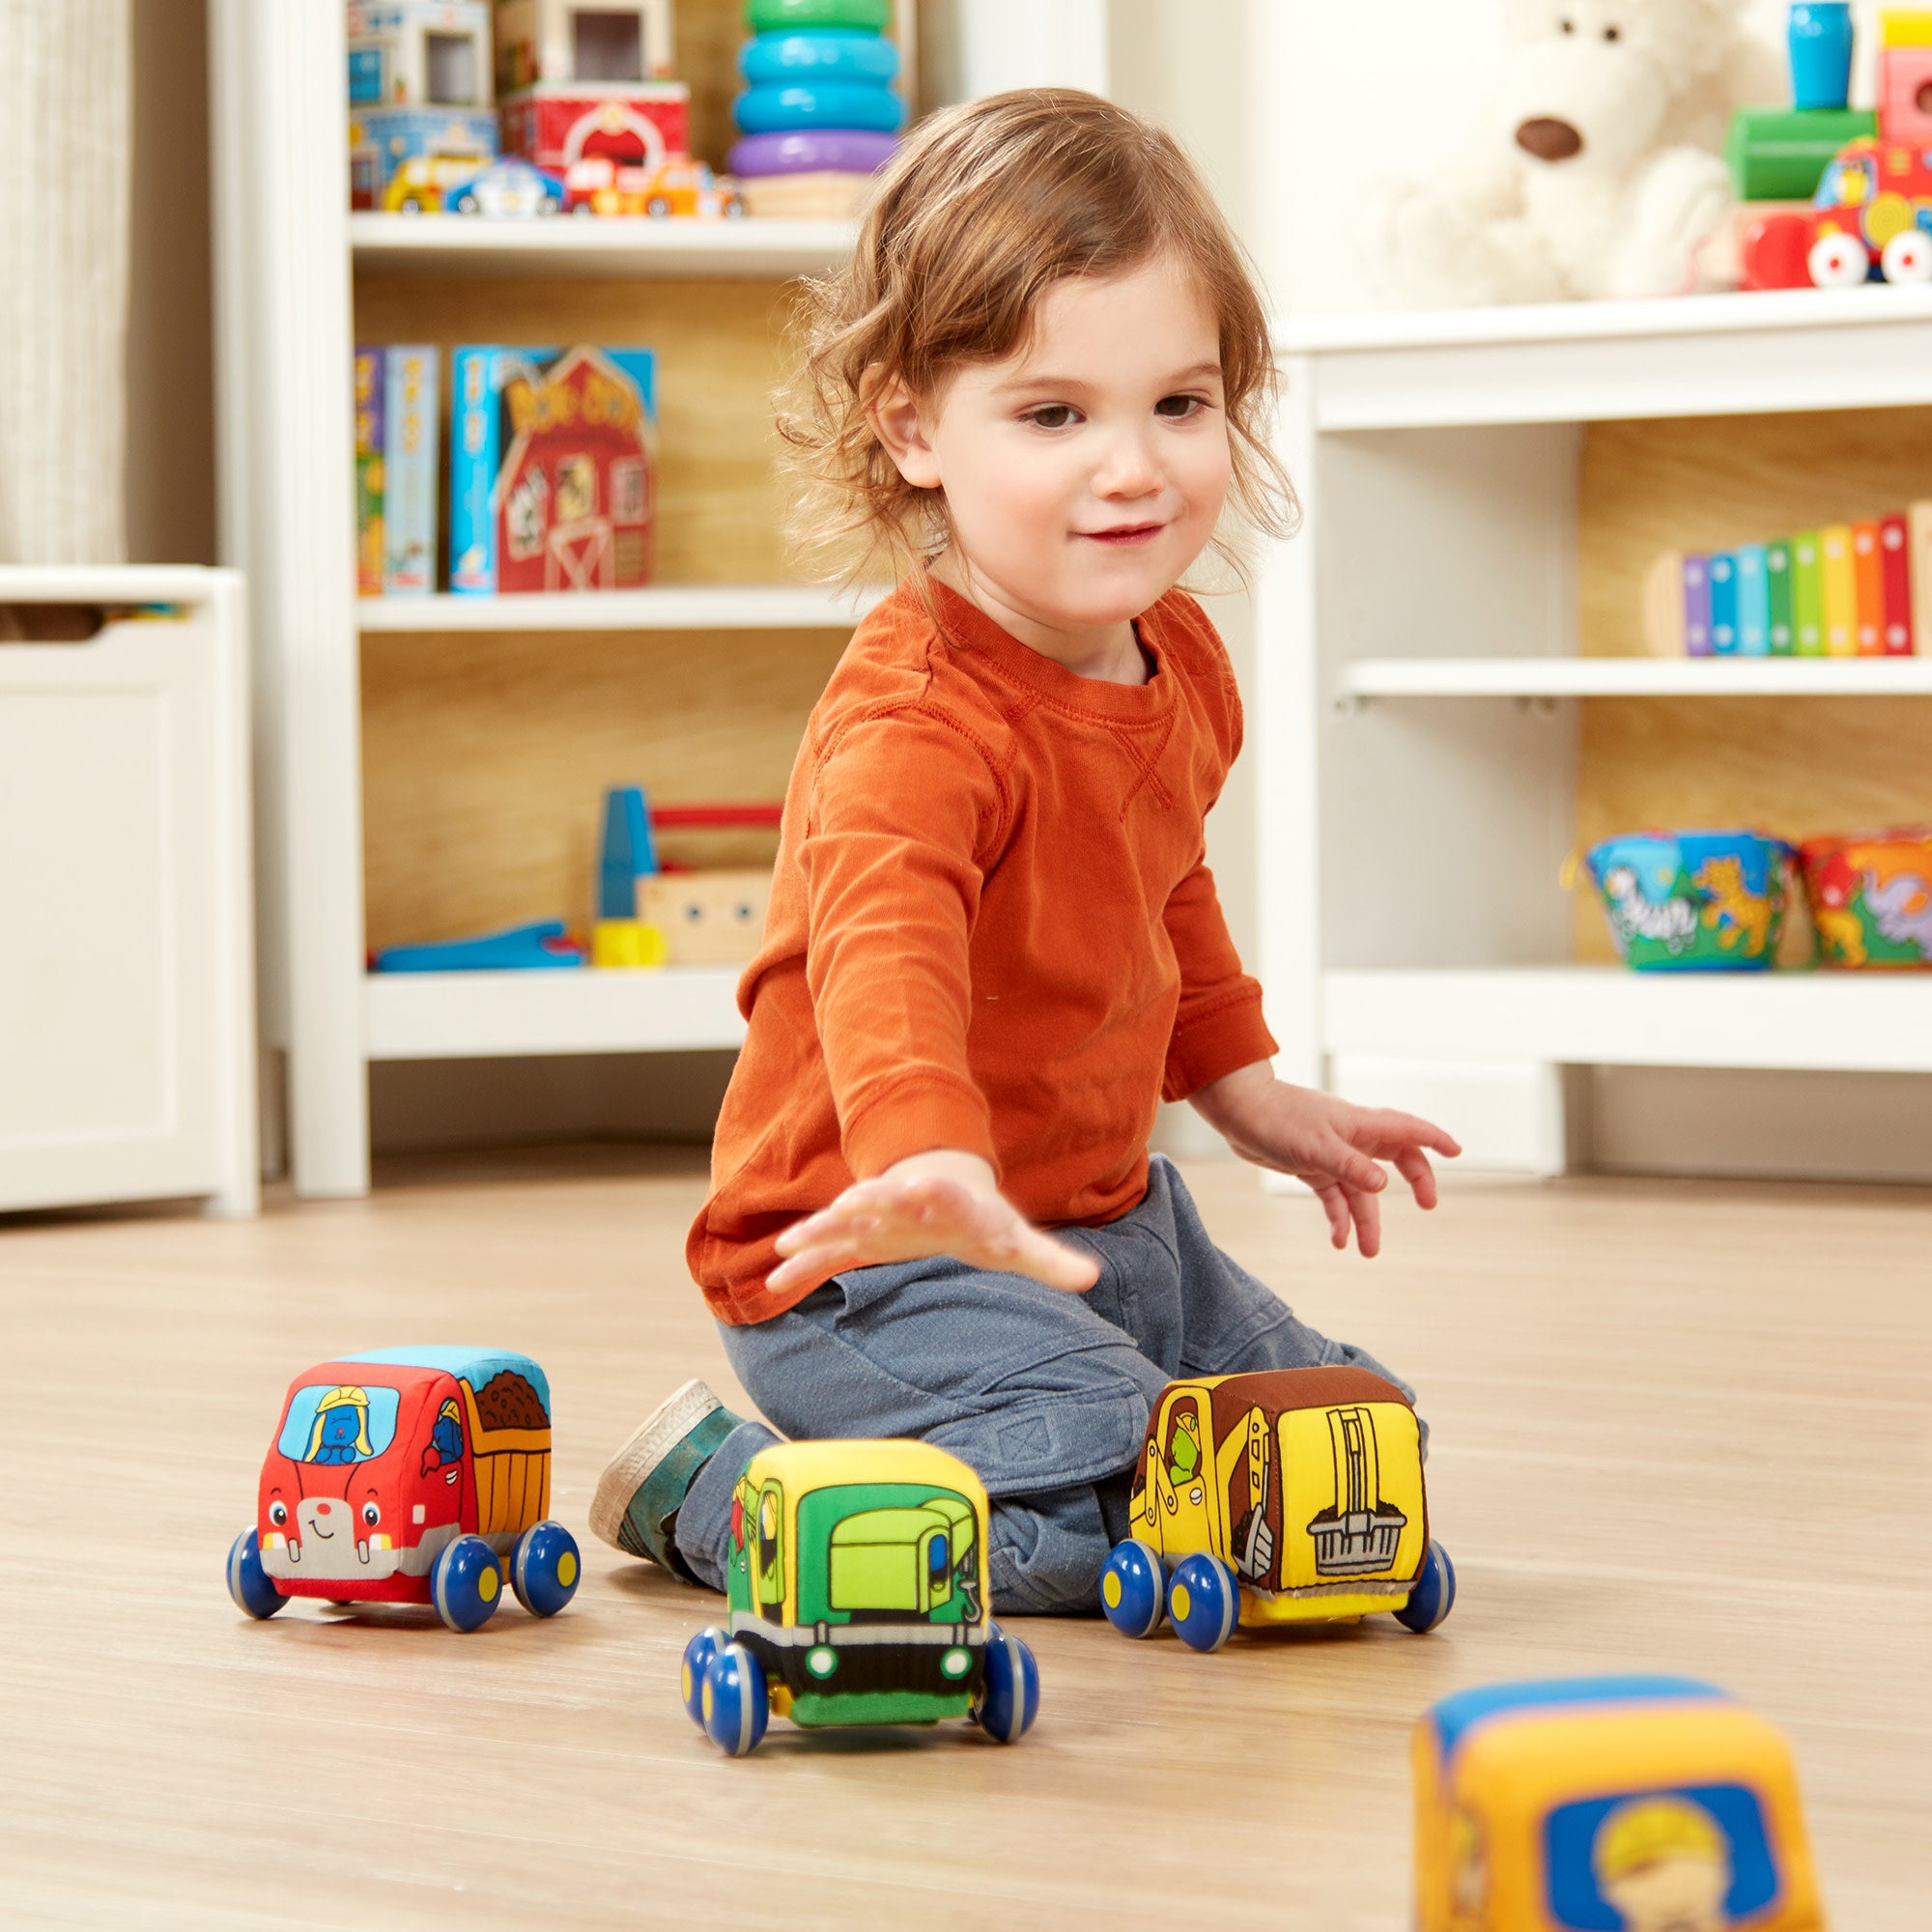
969,629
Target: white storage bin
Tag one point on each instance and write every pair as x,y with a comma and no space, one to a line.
126,973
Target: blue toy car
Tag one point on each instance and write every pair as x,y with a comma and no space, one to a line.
509,187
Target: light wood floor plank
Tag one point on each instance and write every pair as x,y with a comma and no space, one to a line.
1676,1427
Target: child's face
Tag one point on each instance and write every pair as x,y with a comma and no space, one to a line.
1085,473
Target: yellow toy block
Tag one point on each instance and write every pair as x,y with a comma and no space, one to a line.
1607,1804
626,943
1905,27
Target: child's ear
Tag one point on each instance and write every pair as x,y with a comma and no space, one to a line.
894,413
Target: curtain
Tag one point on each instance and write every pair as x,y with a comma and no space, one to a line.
65,144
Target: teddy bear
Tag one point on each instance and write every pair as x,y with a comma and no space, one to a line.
1593,172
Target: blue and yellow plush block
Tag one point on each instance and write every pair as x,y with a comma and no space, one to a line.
858,1595
1607,1804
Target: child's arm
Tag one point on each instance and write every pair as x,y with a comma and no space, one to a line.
943,1202
1329,1143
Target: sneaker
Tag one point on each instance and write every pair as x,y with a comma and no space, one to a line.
642,1491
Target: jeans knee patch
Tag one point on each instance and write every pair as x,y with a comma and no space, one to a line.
1051,1443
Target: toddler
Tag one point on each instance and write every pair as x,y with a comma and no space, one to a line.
993,943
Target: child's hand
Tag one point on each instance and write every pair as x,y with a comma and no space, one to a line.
942,1202
1329,1143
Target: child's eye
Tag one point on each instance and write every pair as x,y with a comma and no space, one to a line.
1051,416
1178,409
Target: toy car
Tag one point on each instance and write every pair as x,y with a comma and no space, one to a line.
1292,1495
409,1476
420,186
598,184
858,1594
1655,1804
510,187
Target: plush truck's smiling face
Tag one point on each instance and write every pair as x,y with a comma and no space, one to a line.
363,1483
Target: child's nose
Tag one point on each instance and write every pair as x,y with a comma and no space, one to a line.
1128,468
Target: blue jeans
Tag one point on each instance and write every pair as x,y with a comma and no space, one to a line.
1046,1394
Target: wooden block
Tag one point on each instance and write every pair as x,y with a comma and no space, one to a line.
1868,578
707,918
1664,613
1838,570
1905,27
1895,576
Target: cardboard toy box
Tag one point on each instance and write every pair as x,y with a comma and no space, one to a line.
635,126
553,469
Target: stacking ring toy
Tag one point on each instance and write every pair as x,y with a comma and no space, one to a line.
832,103
766,17
838,54
848,151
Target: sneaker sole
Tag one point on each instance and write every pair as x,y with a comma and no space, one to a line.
659,1433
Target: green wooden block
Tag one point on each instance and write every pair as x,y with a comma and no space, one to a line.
1779,154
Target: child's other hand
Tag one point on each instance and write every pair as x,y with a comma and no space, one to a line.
941,1203
1328,1143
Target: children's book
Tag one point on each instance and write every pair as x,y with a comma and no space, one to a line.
553,463
409,421
370,401
1777,595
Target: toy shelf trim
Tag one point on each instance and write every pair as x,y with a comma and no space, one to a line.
749,249
1692,355
1637,677
503,1015
1608,1015
776,606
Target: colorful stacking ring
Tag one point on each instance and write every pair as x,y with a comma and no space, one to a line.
847,151
769,16
832,103
838,54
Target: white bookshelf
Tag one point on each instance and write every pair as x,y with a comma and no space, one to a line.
1413,932
631,246
495,1015
286,249
705,606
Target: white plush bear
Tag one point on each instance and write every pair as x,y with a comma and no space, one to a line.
1594,171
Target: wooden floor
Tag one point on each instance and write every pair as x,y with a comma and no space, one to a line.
1680,1427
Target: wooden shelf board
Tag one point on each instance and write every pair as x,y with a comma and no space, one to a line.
1608,1015
776,606
1690,355
496,1015
1637,677
750,250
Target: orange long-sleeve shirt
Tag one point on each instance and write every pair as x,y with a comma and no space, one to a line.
991,928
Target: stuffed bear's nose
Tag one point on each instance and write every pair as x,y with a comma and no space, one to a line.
1550,140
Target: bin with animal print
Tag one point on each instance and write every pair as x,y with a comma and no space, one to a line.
1291,1496
1693,902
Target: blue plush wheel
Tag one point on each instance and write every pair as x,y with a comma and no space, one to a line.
545,1568
248,1581
1133,1589
733,1702
697,1656
1203,1598
466,1583
1434,1594
1009,1696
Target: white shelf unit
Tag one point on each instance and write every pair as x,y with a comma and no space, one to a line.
1412,928
286,249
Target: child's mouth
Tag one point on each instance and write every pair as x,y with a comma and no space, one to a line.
1124,534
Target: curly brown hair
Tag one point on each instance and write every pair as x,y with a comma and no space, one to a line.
982,209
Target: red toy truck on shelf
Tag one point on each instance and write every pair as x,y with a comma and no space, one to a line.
409,1476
